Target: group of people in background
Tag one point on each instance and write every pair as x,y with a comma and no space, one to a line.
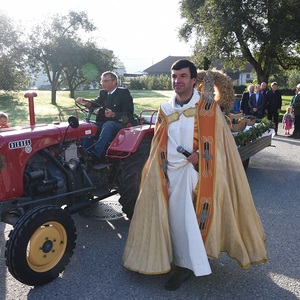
260,102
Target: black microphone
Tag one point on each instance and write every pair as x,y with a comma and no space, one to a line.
183,151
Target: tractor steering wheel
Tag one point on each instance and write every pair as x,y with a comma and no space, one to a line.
88,111
93,109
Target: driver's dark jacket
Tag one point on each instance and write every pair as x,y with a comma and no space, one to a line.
120,102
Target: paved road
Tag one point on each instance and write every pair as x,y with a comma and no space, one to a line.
96,270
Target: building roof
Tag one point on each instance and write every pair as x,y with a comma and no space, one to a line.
164,66
219,66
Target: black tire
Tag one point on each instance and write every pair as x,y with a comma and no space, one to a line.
130,176
40,245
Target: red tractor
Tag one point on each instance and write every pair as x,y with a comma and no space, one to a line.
46,177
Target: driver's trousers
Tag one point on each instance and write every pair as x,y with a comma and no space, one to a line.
106,132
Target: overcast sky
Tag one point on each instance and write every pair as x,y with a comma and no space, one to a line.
140,33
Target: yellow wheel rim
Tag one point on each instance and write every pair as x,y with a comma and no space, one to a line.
46,247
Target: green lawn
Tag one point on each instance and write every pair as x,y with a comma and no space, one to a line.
16,106
286,100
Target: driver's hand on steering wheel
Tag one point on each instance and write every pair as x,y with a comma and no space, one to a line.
83,101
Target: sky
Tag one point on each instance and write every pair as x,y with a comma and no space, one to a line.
139,32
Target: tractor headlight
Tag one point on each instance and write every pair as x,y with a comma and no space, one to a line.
73,164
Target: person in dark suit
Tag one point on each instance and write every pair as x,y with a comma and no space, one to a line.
296,108
245,108
273,104
263,90
257,103
116,112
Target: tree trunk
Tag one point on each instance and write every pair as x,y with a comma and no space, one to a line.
53,95
54,85
72,93
263,74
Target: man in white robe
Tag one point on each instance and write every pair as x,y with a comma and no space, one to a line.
192,207
187,244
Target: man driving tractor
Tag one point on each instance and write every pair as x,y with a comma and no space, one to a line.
116,112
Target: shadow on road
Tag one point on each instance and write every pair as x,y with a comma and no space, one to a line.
96,272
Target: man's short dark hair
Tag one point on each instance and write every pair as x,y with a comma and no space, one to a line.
185,63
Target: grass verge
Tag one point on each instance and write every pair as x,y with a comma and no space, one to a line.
16,106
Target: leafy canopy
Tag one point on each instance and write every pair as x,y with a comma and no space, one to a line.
12,71
264,33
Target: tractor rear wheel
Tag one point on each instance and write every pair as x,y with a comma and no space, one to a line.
130,176
40,245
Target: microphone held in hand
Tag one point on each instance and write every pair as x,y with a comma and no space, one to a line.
183,151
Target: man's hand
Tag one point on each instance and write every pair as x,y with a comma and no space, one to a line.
109,113
193,158
83,101
80,100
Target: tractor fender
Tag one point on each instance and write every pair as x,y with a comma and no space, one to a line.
128,140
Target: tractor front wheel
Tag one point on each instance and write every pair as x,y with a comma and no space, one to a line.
40,245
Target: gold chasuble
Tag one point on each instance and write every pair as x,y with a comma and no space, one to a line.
223,203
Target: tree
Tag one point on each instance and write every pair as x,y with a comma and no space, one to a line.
293,79
53,43
264,33
85,66
12,72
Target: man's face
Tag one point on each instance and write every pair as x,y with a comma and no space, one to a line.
182,83
274,87
257,88
263,86
107,83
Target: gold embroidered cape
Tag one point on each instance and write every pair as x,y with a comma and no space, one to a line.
225,210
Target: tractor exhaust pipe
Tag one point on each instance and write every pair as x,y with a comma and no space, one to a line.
30,96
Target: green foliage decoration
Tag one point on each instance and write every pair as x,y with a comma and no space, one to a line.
245,137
